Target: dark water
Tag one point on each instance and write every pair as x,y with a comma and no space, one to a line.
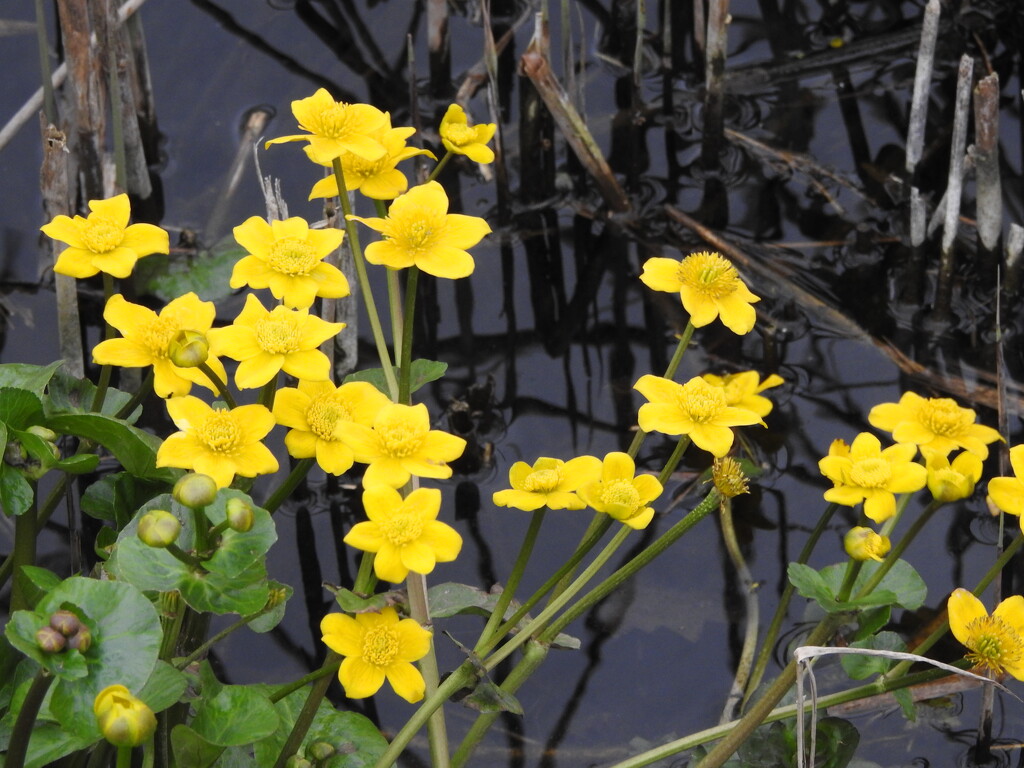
559,322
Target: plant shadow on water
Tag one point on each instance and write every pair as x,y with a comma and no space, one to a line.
809,186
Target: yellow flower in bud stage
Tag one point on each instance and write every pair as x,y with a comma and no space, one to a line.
377,646
696,408
288,258
709,287
267,342
312,412
158,528
550,483
464,139
863,543
218,443
188,349
936,424
123,719
620,493
952,481
103,241
419,231
864,472
1007,493
404,533
147,338
995,643
336,127
744,389
377,179
400,444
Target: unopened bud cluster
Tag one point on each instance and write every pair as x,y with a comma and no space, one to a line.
65,631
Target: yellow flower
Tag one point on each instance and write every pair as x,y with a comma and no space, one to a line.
864,472
313,411
709,287
123,719
266,342
744,390
695,408
550,483
103,241
463,139
994,643
218,443
378,179
1007,493
400,444
419,231
377,646
336,127
863,543
405,533
936,424
622,494
147,337
288,258
952,481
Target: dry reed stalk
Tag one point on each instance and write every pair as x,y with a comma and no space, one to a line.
954,185
986,162
699,28
439,45
136,168
476,77
918,116
534,64
1014,248
714,68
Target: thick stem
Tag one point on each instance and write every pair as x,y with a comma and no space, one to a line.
24,552
308,712
222,387
17,748
405,353
291,482
437,731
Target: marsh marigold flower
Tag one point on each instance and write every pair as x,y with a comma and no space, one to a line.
709,287
862,543
123,719
312,412
269,341
147,338
936,424
744,389
103,241
696,408
952,480
405,533
622,494
995,643
550,483
218,443
865,472
377,647
1007,493
336,127
463,139
288,258
419,231
400,444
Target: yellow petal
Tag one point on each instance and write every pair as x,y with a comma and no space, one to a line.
963,608
406,680
358,678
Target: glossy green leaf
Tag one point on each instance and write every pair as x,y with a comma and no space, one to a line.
273,617
164,688
238,551
822,588
118,496
68,394
34,378
488,698
16,494
236,715
862,667
207,274
243,593
907,588
20,408
135,449
421,372
192,750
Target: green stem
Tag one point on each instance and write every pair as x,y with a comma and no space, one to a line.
179,554
137,397
405,355
440,165
437,731
364,283
296,476
308,712
894,555
670,372
673,460
24,553
268,392
325,671
366,579
124,757
17,748
395,308
108,333
202,649
222,387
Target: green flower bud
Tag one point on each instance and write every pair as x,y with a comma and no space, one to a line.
42,432
188,349
65,622
159,528
124,720
50,640
321,750
195,490
297,762
81,640
239,514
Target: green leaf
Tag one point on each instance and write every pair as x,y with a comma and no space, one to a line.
238,714
69,395
207,275
34,378
238,551
862,667
350,602
421,372
36,582
16,494
870,621
192,750
810,584
20,408
902,581
488,698
164,687
135,449
116,497
273,617
243,593
822,587
21,633
906,701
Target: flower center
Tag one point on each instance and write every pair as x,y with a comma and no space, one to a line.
402,527
364,169
944,417
542,481
993,643
621,493
701,401
871,473
380,646
323,415
101,235
460,134
399,437
333,122
278,333
219,432
292,256
709,274
157,335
